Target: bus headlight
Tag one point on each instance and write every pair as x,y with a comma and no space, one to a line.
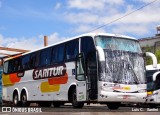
142,91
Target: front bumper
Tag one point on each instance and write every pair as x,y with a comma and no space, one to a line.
122,97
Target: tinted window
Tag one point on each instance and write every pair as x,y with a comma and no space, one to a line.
25,61
14,65
17,64
72,49
10,67
87,45
45,57
33,60
157,82
58,54
5,68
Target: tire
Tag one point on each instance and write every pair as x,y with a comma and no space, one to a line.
113,105
24,102
16,103
45,104
74,102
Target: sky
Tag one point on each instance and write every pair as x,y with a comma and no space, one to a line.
23,23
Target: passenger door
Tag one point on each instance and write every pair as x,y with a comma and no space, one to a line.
90,56
81,79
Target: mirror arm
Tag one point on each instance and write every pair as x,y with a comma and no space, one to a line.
154,58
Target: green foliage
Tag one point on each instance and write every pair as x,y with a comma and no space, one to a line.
148,60
157,53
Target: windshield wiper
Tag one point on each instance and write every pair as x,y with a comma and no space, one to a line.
137,81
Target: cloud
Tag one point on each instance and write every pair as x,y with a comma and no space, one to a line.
31,43
21,43
87,28
82,17
92,4
86,4
57,6
129,28
53,38
97,13
146,1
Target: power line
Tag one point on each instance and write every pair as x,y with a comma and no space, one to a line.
123,16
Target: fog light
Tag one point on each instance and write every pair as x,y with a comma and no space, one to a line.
149,93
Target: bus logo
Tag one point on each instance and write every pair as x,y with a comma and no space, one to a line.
49,72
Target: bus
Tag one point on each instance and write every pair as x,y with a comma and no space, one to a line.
90,68
153,85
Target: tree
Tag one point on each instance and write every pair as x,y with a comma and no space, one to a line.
157,53
148,60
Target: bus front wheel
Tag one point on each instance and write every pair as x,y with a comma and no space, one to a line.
113,105
75,104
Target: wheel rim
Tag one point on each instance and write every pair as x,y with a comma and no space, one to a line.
23,99
15,99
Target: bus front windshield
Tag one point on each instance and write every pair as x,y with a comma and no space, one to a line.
123,60
115,43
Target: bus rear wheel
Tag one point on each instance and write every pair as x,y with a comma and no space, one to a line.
75,104
113,105
24,102
15,100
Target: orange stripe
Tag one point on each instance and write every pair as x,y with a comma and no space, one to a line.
58,80
14,78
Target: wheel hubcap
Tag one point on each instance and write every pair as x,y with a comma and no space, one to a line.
23,99
15,100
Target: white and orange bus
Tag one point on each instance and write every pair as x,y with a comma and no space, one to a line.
100,68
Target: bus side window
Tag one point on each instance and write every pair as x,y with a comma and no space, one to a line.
11,66
25,62
33,60
5,68
45,57
54,55
58,54
17,64
72,49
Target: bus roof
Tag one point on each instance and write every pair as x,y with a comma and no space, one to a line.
82,35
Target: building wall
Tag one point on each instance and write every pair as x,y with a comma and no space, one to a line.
153,43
